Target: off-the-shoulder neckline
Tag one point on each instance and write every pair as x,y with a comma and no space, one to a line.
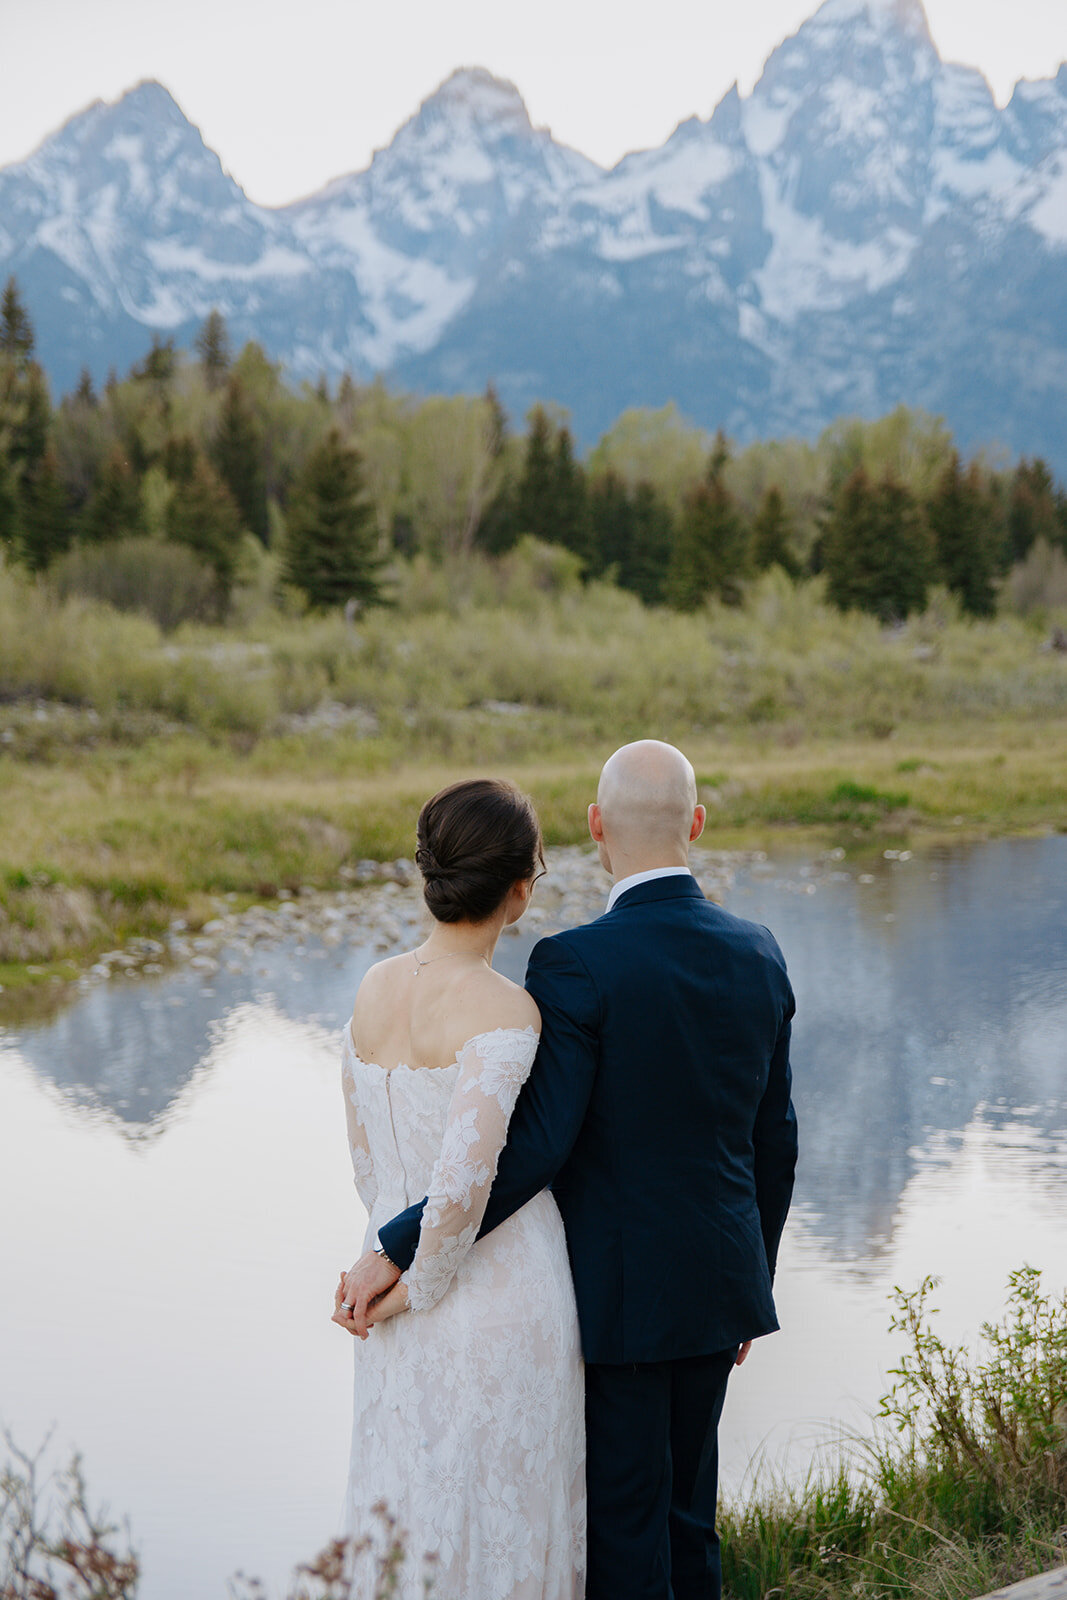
402,1066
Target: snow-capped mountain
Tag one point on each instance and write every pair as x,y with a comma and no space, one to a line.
866,228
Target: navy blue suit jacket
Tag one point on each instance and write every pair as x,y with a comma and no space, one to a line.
659,1110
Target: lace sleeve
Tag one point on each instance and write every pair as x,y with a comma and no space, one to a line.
492,1069
358,1143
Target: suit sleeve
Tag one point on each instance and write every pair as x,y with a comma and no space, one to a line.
552,1103
774,1140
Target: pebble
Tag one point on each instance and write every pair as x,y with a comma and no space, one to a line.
381,905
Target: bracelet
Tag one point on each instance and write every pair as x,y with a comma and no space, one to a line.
387,1259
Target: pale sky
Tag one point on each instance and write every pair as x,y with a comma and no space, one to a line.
291,93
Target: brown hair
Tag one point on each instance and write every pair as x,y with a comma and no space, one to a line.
475,840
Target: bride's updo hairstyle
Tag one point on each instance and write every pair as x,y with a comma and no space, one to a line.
475,840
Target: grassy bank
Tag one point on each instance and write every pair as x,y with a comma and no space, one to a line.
143,776
962,1492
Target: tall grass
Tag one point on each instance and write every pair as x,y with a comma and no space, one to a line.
524,632
964,1492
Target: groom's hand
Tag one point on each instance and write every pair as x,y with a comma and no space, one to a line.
742,1352
371,1277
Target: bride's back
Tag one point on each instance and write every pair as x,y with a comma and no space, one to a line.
420,1015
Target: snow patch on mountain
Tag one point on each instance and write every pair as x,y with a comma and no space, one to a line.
838,237
808,269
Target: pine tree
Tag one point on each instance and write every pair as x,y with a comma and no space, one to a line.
1032,511
25,415
959,515
213,348
179,458
498,422
201,515
331,541
770,535
85,394
535,499
16,330
645,569
45,521
159,365
611,526
498,526
711,553
877,552
9,503
571,522
237,454
114,509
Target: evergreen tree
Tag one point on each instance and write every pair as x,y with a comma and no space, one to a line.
498,422
498,527
179,458
877,552
331,541
611,526
113,510
9,502
959,516
535,499
1032,511
201,515
45,521
85,394
160,364
30,437
570,518
711,553
25,415
213,348
645,569
237,454
771,546
16,330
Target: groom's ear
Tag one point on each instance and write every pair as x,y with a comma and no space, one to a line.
596,826
700,816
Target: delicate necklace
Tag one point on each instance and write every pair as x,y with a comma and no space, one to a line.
420,964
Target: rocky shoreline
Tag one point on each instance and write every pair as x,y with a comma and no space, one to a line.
381,908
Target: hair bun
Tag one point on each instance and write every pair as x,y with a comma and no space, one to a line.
427,862
475,839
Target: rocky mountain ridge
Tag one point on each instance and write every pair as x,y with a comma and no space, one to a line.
866,228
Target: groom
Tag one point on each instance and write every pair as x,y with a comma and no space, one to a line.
659,1110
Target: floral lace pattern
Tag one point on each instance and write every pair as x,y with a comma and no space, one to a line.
468,1419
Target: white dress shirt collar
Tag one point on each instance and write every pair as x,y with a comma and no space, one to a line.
645,877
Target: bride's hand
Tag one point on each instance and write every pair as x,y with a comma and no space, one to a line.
390,1305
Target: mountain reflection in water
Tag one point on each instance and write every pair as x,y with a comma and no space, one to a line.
928,996
176,1199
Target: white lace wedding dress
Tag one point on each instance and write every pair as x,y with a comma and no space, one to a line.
468,1422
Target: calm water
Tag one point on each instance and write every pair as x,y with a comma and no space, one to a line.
176,1201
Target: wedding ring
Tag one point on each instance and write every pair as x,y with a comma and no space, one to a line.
345,1306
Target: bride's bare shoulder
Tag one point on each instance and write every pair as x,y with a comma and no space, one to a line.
488,1000
379,981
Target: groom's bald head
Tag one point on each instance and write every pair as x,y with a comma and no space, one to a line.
646,806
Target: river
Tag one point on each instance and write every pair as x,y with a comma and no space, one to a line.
176,1201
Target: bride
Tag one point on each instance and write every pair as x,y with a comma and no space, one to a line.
468,1416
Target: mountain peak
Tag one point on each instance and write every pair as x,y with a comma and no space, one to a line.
474,95
904,16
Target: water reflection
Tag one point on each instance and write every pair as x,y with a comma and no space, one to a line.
173,1151
931,992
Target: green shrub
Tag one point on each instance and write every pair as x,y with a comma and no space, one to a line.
164,581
